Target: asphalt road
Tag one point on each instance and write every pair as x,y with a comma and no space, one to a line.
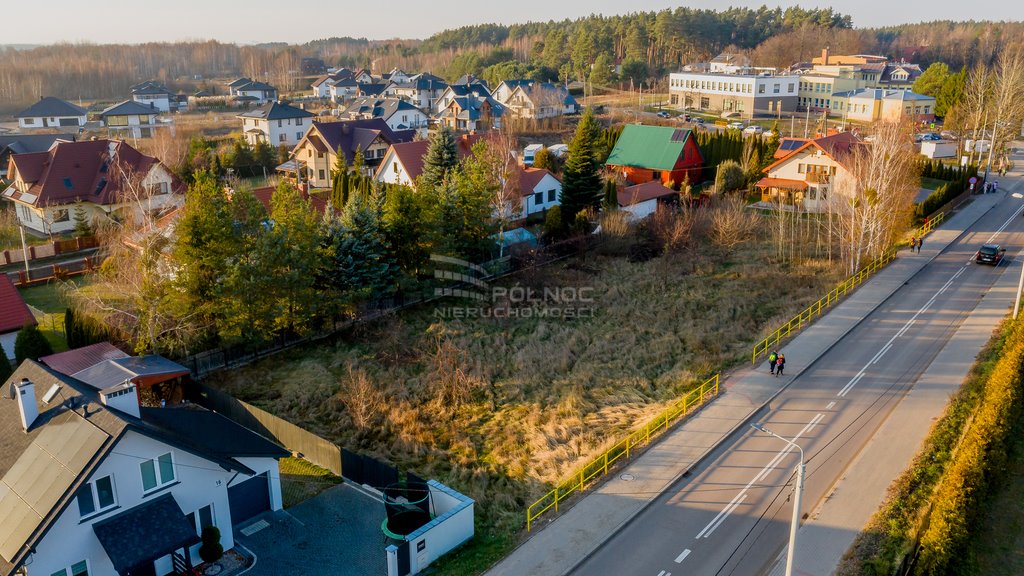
731,514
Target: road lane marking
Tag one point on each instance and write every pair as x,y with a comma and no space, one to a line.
729,510
1005,224
764,472
830,405
681,557
882,353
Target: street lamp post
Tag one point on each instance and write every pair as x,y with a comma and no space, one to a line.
797,494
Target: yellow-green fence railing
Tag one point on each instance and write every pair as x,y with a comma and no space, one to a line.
605,461
804,318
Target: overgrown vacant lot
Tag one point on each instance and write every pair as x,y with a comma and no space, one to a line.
501,408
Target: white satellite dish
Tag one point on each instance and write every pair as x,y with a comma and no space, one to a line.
51,393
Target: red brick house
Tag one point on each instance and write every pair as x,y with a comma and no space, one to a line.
645,153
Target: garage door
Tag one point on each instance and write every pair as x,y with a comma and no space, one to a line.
249,498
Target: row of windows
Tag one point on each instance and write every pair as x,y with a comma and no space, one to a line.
732,87
815,169
538,197
76,569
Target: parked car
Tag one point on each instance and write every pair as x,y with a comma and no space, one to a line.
697,120
753,129
735,126
990,254
664,114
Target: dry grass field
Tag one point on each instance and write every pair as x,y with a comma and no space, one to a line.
501,408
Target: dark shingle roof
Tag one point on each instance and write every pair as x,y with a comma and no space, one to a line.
275,111
156,529
151,87
109,373
51,107
27,143
79,359
129,108
352,135
377,107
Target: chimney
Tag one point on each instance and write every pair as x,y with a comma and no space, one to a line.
111,149
26,392
122,397
824,56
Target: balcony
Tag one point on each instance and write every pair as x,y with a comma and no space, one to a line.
817,178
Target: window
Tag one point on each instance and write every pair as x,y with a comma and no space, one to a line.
60,215
298,121
282,137
800,168
157,472
28,121
202,518
279,123
760,89
395,167
298,135
551,195
776,88
77,569
538,198
96,496
321,173
791,85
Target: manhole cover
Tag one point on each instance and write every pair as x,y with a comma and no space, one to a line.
627,477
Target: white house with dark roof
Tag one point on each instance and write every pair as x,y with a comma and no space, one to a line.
51,112
276,123
131,119
399,114
159,96
539,100
421,90
252,91
127,488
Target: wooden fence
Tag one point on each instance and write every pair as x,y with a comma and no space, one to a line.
41,251
317,450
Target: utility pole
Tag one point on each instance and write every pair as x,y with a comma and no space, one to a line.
807,121
24,248
797,496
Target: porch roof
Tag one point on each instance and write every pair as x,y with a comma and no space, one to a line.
781,183
142,534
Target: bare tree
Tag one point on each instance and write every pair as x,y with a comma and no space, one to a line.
362,399
449,376
731,222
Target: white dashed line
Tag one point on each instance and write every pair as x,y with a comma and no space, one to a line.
681,557
830,405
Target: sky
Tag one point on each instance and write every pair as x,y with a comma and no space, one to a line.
253,21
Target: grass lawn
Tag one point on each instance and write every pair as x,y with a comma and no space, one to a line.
999,546
49,305
500,408
932,183
301,480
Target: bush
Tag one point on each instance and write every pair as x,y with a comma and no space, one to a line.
553,223
211,549
730,177
30,343
5,366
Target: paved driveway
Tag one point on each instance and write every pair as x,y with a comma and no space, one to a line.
336,533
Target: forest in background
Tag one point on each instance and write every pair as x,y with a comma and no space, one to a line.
645,44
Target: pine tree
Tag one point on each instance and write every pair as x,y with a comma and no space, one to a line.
83,229
405,228
30,343
362,268
611,196
441,158
340,163
581,185
295,258
358,162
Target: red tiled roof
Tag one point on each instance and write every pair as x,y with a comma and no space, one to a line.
14,313
411,154
318,202
529,178
781,183
73,171
79,359
643,192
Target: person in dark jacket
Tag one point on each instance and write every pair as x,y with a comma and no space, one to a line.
771,360
780,364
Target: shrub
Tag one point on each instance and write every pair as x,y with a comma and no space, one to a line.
5,366
211,549
30,343
730,177
553,223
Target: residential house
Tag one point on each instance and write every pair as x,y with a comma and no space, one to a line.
644,153
276,123
421,90
364,89
317,152
403,162
92,483
106,178
396,75
14,315
399,114
26,143
504,90
51,112
310,66
131,119
539,190
159,96
363,76
252,91
873,104
744,94
899,75
539,100
470,80
728,63
322,85
641,200
70,362
803,176
343,89
468,107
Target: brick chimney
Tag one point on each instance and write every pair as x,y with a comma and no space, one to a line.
824,56
26,395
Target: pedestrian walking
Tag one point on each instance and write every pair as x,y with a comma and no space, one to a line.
913,243
919,242
771,360
780,364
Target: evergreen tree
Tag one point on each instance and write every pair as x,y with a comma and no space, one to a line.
30,343
340,164
553,223
405,228
240,158
581,184
250,282
294,258
83,229
5,367
441,158
542,159
362,267
264,156
358,162
611,196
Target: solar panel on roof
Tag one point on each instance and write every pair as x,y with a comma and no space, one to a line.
679,135
790,144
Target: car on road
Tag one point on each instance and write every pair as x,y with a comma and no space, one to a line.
664,114
735,126
697,120
927,137
990,254
753,129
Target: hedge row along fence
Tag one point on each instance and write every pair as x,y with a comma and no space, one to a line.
958,181
925,524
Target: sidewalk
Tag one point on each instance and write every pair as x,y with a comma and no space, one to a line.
555,547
